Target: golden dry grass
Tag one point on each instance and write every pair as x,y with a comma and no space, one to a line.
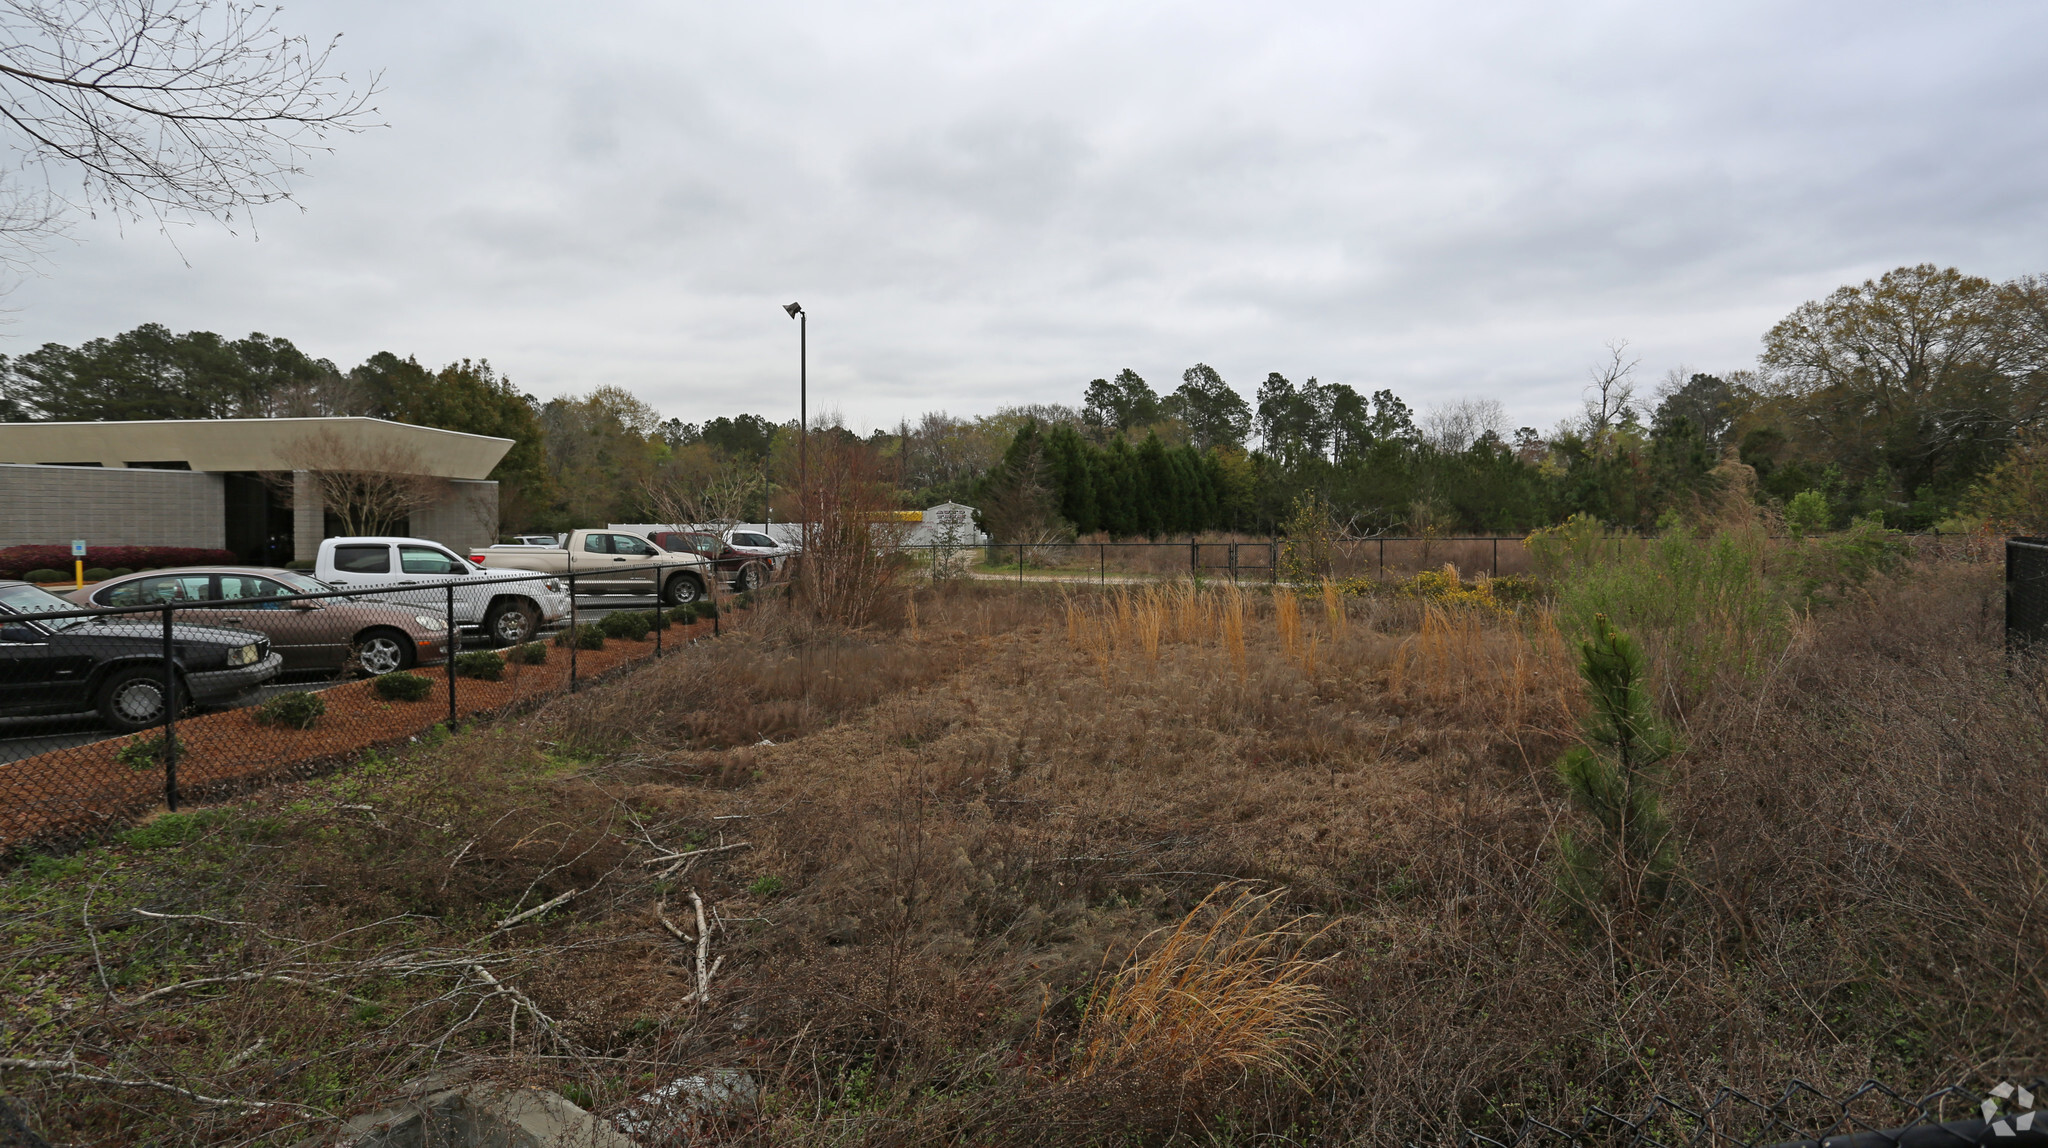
1221,995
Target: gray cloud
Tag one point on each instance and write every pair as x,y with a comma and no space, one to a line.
988,204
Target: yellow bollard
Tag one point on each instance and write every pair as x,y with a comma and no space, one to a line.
79,563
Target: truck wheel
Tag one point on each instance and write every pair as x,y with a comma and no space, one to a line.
383,652
682,589
750,577
133,699
509,623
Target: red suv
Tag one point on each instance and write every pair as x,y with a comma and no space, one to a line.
738,569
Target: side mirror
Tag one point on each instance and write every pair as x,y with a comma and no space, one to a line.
19,632
304,605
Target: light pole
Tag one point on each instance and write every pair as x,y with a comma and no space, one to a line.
803,420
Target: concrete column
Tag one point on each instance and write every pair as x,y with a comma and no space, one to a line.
309,516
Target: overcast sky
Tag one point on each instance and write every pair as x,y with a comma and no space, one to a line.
986,204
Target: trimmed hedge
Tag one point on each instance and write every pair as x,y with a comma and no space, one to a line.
585,637
98,574
402,687
298,709
530,654
44,576
133,557
484,665
629,625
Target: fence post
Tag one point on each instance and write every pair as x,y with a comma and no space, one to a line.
454,646
1020,565
575,639
1383,558
1496,559
660,614
1273,562
1233,564
170,717
1194,558
1102,565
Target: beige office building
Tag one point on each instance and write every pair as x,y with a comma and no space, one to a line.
245,485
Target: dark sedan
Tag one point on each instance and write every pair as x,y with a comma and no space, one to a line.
115,664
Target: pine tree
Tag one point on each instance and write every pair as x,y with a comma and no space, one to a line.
1617,778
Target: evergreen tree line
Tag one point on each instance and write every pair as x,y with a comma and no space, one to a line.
1919,397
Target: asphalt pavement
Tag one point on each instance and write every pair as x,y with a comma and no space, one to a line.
27,736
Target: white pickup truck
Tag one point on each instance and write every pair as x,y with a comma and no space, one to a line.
416,570
609,562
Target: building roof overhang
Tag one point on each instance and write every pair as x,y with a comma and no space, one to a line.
251,444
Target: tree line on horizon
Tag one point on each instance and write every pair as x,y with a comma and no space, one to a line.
1919,397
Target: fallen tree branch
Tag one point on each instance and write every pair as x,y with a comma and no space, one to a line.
521,1000
695,853
702,993
243,978
68,1070
536,911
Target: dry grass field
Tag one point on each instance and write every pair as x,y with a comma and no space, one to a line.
1158,865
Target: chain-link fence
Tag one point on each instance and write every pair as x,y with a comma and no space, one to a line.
1801,1116
2026,594
169,684
1237,560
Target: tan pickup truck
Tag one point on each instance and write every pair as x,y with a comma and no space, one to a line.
609,562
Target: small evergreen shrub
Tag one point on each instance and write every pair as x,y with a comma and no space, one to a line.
529,654
402,686
583,637
1617,778
43,576
483,665
146,752
120,572
629,625
297,710
98,574
1807,513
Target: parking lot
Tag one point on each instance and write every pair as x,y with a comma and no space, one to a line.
27,736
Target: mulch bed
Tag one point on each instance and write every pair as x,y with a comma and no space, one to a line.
82,790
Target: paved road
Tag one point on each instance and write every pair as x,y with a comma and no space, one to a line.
27,736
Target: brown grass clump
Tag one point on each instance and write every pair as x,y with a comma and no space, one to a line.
1213,1002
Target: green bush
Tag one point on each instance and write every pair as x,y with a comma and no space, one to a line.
483,665
627,625
767,886
146,752
120,572
1703,603
530,654
583,637
402,687
1807,513
657,619
98,574
297,709
43,576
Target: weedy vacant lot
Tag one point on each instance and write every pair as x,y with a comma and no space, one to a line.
1179,865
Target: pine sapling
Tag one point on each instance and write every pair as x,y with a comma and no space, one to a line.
1617,777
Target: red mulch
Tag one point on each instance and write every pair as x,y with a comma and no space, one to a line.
73,792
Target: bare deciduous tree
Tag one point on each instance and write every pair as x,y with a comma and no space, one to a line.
1611,398
721,502
163,108
370,487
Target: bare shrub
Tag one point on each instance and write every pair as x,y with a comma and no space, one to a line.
851,561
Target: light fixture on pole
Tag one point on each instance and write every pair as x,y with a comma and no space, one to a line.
803,422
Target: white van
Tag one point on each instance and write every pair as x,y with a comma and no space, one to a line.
508,609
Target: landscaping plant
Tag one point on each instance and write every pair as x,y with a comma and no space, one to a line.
402,686
298,709
586,636
1616,778
627,625
147,752
483,665
528,654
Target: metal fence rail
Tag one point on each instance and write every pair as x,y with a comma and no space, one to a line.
2026,594
1802,1116
204,680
